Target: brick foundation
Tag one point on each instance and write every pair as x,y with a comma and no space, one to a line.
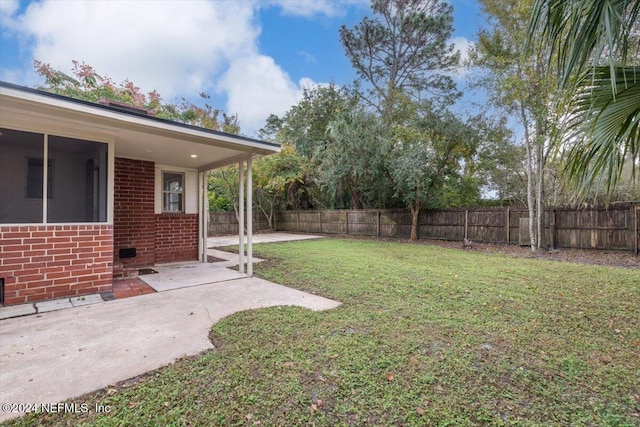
41,262
176,237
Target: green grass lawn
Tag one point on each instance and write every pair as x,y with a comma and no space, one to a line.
425,336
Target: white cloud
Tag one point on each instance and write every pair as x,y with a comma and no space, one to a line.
308,58
257,87
8,7
311,8
167,47
177,48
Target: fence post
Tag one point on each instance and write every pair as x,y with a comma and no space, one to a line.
508,225
466,224
378,222
320,220
346,221
298,221
552,229
635,229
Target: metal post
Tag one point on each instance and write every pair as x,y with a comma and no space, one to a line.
241,216
249,219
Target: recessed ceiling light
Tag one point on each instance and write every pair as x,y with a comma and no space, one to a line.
194,156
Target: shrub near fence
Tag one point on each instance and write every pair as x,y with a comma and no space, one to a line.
595,228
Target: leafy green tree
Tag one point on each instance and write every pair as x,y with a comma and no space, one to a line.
499,163
403,49
351,167
86,84
597,51
275,176
304,125
223,189
425,166
402,57
516,82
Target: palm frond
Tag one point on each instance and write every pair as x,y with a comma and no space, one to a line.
579,33
603,128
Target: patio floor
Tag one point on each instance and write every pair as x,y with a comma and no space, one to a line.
186,274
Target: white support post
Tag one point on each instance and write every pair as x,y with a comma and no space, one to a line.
249,219
241,216
205,216
202,252
45,179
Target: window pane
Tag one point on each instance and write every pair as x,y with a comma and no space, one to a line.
172,188
79,184
20,180
172,182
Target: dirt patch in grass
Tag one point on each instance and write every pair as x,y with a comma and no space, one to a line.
582,256
610,258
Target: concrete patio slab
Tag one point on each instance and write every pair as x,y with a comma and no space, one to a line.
53,305
185,274
62,354
218,241
16,311
231,259
86,300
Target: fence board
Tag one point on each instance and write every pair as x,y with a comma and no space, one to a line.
596,228
222,223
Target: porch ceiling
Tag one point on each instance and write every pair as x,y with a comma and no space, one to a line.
136,136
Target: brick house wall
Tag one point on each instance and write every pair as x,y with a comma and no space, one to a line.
176,237
40,262
158,238
133,213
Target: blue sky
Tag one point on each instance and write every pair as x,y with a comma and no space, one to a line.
253,57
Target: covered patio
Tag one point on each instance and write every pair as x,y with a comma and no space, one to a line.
110,180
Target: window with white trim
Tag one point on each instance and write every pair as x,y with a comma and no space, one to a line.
172,192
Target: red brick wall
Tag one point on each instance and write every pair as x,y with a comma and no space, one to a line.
40,262
133,215
176,237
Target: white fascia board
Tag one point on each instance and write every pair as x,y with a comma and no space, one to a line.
167,128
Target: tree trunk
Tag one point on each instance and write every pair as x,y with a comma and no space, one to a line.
539,192
415,211
530,179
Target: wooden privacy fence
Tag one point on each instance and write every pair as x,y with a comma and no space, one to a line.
594,228
221,223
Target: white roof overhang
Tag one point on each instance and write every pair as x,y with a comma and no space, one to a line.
135,136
